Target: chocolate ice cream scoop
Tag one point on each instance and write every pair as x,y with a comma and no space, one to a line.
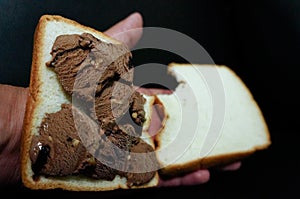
61,150
58,150
82,62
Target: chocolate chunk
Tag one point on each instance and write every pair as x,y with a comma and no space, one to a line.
137,108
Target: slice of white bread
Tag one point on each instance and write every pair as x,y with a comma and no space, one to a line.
47,95
211,119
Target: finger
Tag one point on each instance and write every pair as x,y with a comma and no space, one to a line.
143,90
157,91
195,178
231,167
128,31
155,124
153,91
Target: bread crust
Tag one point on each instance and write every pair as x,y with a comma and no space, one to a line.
34,99
202,163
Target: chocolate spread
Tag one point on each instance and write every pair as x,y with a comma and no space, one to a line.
87,139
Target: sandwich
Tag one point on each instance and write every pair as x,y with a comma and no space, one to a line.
86,126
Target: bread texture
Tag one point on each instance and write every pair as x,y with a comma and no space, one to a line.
211,119
46,96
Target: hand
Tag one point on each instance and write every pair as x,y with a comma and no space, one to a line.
12,110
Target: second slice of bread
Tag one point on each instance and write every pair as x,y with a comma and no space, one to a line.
211,119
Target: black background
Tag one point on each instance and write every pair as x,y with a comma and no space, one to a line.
258,39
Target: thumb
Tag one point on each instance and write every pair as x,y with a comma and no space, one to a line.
128,31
